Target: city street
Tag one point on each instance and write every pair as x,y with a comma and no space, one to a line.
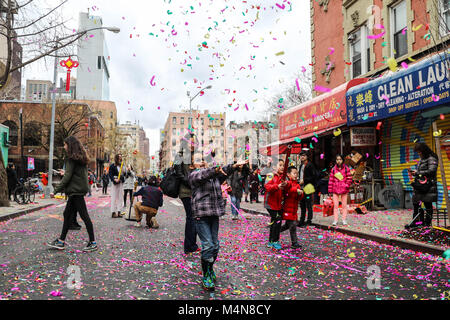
134,263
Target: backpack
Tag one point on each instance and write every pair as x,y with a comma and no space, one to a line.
170,184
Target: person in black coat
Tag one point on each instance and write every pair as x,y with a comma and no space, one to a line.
105,181
307,175
12,179
426,172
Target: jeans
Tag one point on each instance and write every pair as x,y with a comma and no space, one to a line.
208,232
190,233
236,202
306,203
292,226
76,204
275,225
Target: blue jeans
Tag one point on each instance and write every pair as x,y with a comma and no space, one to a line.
208,232
237,204
190,234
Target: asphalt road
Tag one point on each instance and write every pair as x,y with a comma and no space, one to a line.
146,263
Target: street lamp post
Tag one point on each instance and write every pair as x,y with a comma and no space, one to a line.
49,188
191,99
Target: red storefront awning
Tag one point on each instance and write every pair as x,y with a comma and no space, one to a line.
323,113
314,117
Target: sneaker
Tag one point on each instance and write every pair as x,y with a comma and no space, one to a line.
276,246
138,225
269,244
57,244
344,223
91,246
334,223
235,218
296,246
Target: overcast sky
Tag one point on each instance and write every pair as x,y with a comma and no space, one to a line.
274,41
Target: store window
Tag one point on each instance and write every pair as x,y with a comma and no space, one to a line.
398,24
359,52
445,17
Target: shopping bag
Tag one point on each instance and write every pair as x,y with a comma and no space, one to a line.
309,188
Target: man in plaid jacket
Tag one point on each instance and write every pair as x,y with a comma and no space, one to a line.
207,206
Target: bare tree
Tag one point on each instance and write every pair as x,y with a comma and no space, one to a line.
291,96
40,29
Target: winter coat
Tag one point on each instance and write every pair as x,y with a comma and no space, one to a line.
182,172
273,195
309,174
291,199
12,178
427,167
207,199
129,181
237,181
105,179
75,180
253,181
340,186
151,196
114,173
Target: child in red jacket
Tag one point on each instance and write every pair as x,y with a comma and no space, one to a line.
272,202
292,195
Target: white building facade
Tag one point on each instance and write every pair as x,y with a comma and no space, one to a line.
93,56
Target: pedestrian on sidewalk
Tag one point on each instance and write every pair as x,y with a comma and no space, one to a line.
90,181
12,179
75,185
273,203
253,182
307,173
117,187
424,186
237,180
339,186
105,181
208,205
128,185
292,195
152,199
184,165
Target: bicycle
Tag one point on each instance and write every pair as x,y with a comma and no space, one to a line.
26,191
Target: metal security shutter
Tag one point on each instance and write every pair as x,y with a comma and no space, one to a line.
444,125
398,136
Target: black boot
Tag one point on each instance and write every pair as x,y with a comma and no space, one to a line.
428,221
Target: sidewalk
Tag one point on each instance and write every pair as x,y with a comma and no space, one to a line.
16,210
380,226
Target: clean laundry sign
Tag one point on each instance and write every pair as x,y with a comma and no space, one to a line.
423,85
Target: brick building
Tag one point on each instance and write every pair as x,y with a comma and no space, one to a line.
210,130
36,118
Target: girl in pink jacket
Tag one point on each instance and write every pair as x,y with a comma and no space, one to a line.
339,186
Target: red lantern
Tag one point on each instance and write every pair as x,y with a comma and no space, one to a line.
69,64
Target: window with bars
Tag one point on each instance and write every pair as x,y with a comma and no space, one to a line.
399,23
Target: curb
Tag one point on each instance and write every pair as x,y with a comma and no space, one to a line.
402,243
24,212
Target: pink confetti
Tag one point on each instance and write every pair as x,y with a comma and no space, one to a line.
282,6
404,65
236,109
331,50
404,30
376,36
246,107
386,98
303,69
322,156
322,89
151,81
298,85
435,98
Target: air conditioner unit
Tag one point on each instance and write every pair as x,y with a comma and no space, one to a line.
351,37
